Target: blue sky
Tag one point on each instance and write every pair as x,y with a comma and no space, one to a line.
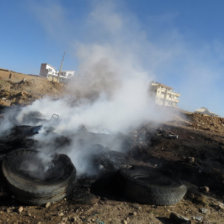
179,42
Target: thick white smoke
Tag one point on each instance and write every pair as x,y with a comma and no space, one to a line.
108,98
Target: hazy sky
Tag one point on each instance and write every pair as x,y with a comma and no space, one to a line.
178,42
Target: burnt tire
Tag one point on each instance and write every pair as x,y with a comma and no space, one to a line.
151,186
31,189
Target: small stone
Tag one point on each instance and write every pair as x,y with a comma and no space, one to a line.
217,206
198,218
178,219
203,210
125,222
20,209
190,159
39,223
221,205
133,213
47,205
8,210
65,219
29,214
205,189
60,214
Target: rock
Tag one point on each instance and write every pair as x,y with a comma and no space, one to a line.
205,189
125,222
198,218
217,206
221,205
178,219
60,214
20,209
190,159
133,213
8,210
203,210
48,204
65,219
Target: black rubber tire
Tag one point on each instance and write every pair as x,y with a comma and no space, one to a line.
30,190
151,186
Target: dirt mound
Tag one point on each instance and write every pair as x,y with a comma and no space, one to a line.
207,122
17,88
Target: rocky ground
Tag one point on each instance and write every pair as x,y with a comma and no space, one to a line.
17,88
190,147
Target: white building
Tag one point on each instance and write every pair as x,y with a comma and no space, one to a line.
52,74
163,95
47,70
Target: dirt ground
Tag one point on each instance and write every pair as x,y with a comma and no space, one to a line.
191,148
17,88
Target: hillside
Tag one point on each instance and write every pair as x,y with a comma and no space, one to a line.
190,147
17,88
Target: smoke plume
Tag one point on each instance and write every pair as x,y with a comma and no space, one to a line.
107,99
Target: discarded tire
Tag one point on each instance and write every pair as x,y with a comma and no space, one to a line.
32,182
151,186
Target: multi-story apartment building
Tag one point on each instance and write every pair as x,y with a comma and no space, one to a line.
163,95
